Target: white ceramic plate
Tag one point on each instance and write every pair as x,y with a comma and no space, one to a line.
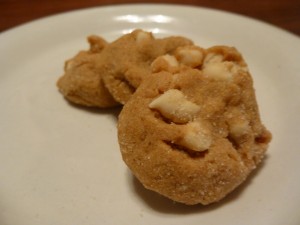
61,164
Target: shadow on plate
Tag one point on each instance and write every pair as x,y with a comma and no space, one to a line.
164,205
114,111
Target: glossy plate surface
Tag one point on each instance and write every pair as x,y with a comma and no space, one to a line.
61,164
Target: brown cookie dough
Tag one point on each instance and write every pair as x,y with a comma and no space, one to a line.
81,82
194,134
126,61
120,65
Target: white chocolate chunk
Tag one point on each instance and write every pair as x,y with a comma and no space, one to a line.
174,106
218,71
238,123
215,67
236,69
213,58
143,36
238,127
196,137
171,60
191,56
165,63
69,65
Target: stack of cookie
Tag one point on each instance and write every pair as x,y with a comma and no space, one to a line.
190,127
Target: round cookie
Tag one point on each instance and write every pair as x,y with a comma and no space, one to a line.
194,134
81,83
126,61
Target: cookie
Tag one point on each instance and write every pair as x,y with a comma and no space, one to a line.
192,131
120,65
126,61
81,82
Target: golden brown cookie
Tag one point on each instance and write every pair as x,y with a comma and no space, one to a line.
81,82
194,134
126,61
120,65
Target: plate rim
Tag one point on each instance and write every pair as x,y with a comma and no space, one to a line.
164,5
96,8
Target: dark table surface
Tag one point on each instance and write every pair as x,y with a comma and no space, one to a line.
281,13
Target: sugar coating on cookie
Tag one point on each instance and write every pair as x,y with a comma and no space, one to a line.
108,73
81,83
200,149
126,61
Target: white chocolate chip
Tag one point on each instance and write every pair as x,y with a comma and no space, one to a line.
223,70
213,58
218,71
238,123
72,63
196,137
238,128
236,69
174,106
191,56
215,67
171,60
143,36
69,65
165,63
